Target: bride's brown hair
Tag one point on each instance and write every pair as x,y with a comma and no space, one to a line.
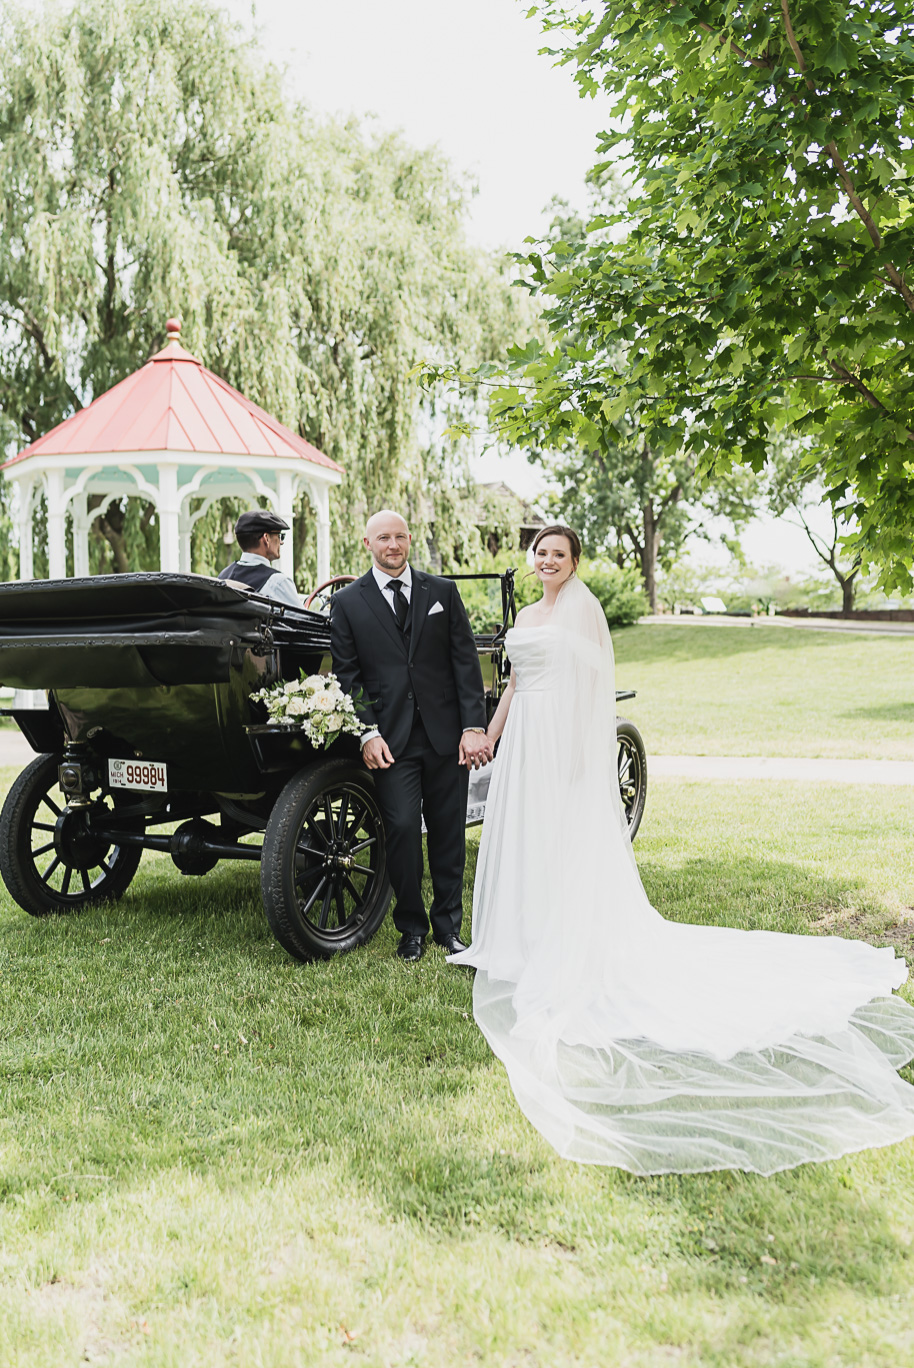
560,530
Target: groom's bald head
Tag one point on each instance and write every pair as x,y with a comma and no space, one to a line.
387,537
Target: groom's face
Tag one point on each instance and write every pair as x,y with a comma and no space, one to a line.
388,541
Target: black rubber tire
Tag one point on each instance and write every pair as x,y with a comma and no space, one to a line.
27,883
631,760
298,869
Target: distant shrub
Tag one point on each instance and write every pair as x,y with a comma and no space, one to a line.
483,597
620,592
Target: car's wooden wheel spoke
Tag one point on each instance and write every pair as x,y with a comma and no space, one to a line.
50,869
355,821
311,824
309,873
314,897
359,897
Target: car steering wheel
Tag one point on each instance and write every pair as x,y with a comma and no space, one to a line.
319,599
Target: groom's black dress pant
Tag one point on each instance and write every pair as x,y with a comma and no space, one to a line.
420,774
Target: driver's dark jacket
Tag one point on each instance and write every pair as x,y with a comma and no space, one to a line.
432,666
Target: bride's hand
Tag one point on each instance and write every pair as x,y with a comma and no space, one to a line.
475,750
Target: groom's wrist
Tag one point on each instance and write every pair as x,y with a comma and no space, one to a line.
368,736
480,731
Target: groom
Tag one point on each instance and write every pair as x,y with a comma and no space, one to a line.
404,639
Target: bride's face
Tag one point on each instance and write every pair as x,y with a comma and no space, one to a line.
552,560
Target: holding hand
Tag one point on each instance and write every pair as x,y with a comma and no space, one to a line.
475,750
376,753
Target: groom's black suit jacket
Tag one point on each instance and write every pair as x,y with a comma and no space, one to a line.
431,666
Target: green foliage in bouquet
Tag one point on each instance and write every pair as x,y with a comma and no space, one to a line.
314,703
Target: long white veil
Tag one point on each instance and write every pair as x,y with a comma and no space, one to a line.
638,1042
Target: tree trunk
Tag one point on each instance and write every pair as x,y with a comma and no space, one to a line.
111,526
649,548
848,590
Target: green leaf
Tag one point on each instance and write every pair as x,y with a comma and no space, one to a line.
840,56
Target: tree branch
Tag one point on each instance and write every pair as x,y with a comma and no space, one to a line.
792,41
844,175
630,533
849,378
52,365
672,497
866,218
726,41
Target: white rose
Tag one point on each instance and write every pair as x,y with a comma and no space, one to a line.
324,702
297,707
314,682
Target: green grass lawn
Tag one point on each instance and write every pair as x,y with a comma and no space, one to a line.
214,1155
768,690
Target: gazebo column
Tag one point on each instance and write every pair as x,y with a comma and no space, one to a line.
185,525
57,526
79,505
320,497
169,511
285,507
26,513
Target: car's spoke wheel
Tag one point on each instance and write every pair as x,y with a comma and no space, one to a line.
324,866
50,858
632,768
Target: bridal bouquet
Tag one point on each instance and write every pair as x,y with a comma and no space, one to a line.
314,703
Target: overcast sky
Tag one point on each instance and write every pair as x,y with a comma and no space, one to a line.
464,76
468,78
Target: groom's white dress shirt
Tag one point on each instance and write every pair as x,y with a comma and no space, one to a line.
384,581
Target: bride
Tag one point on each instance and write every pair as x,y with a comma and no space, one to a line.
630,1040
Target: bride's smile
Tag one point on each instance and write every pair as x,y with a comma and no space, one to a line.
552,560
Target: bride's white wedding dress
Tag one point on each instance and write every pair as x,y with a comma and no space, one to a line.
634,1041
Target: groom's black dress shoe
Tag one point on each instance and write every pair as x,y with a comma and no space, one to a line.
411,947
452,945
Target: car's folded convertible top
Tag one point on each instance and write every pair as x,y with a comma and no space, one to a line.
113,631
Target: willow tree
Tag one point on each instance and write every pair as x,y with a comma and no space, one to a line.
151,162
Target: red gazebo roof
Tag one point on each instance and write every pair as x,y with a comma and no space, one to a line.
174,404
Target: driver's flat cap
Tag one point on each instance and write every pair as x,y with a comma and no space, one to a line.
259,520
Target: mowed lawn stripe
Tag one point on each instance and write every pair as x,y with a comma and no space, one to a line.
768,690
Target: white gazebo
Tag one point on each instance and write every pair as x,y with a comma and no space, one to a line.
172,433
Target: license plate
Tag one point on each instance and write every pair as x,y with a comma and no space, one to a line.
146,776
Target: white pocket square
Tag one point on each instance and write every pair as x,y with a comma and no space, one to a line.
436,608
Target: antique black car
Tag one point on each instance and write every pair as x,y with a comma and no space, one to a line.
151,740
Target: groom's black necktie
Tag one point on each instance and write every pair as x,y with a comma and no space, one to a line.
401,606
